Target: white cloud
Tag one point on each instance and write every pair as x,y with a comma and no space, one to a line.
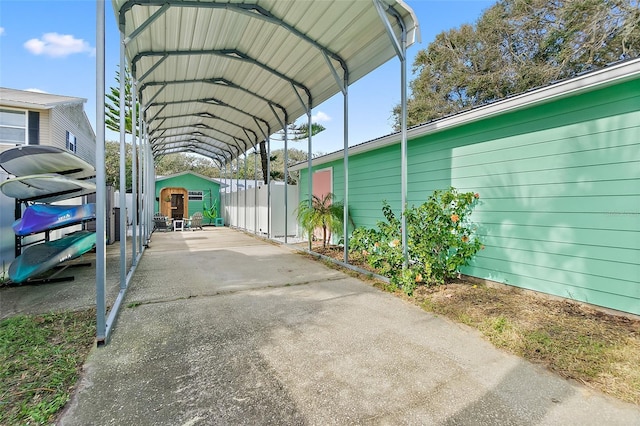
1,30
320,117
33,89
58,45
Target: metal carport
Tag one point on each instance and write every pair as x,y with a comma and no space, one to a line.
218,78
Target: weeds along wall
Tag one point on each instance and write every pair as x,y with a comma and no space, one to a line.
559,186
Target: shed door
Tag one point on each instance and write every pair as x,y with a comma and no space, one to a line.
177,206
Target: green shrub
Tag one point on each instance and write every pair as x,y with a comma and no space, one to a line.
440,240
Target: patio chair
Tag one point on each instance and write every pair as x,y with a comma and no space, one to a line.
196,221
161,222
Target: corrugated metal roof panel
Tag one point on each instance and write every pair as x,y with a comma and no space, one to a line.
254,57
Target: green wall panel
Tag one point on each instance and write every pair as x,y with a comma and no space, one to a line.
192,182
559,188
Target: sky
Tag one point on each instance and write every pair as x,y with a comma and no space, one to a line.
49,46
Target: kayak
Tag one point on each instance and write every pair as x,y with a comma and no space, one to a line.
40,258
43,217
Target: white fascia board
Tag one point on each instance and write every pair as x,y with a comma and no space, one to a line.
614,74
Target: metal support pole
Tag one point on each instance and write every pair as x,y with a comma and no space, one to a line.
401,51
237,195
123,176
269,187
255,192
223,196
141,189
245,191
309,166
101,187
345,216
403,101
286,183
134,177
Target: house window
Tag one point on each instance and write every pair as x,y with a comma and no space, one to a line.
13,127
72,142
195,196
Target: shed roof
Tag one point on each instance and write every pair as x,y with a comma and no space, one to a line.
217,77
34,100
175,175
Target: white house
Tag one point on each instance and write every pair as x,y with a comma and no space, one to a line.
34,118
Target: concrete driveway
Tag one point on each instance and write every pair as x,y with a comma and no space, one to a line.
220,328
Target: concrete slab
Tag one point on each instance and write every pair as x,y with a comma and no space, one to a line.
223,328
80,293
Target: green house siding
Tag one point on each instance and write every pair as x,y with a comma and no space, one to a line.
559,188
192,182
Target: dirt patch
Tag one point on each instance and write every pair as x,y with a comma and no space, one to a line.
576,341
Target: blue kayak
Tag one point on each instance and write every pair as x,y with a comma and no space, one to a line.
42,217
40,258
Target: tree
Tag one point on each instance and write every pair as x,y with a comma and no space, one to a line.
112,105
321,213
294,132
237,166
515,46
112,164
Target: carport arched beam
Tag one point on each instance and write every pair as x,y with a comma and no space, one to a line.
215,81
206,114
226,53
211,150
220,160
198,127
192,148
206,141
251,10
220,151
193,135
211,101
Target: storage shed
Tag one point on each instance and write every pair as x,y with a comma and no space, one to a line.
558,173
182,194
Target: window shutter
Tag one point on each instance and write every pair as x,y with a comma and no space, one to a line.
34,128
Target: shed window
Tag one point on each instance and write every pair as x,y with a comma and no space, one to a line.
72,142
13,127
195,196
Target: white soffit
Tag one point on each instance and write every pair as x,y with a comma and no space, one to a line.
219,76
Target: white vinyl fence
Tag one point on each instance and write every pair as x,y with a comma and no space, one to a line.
248,209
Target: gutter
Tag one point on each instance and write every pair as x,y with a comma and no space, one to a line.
613,74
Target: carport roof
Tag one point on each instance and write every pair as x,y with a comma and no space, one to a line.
218,77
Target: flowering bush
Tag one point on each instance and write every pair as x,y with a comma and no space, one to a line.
440,240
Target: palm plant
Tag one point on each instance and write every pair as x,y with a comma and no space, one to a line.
323,213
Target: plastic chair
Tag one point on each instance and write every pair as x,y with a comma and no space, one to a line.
161,222
196,221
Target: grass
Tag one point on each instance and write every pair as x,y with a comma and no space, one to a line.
40,361
577,342
41,355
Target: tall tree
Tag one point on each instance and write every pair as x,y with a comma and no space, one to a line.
112,164
295,133
517,45
180,162
112,105
277,165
